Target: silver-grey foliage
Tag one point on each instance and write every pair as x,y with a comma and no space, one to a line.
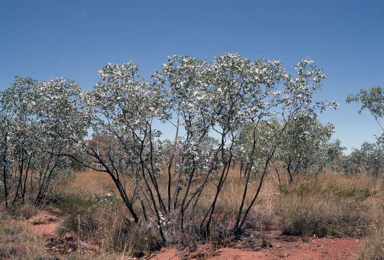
196,97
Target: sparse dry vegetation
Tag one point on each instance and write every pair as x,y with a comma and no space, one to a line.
18,242
273,165
323,205
373,247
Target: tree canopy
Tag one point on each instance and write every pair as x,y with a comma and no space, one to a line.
257,111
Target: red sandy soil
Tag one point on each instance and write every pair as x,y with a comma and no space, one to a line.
282,247
276,247
44,223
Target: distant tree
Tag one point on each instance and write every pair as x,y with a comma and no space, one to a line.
373,100
369,159
306,145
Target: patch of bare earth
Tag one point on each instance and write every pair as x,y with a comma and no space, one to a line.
44,223
271,246
275,246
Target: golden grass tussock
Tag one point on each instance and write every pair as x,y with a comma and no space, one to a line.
312,205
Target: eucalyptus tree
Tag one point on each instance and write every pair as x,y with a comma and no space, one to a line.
223,96
368,159
373,100
263,134
37,119
241,89
206,97
306,142
122,108
16,135
61,123
186,82
226,96
6,146
279,97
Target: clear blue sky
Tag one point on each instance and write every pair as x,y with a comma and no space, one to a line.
73,38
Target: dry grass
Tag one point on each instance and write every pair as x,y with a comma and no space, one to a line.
330,205
323,205
316,217
86,184
96,222
373,246
19,211
18,242
108,227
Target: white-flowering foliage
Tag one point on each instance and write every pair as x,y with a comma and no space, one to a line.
37,120
247,105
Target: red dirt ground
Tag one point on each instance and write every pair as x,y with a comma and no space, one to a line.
281,247
277,246
44,223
